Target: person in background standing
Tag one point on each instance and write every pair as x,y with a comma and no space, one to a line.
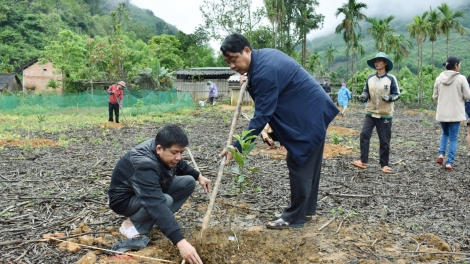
212,92
326,87
380,92
450,90
344,96
115,100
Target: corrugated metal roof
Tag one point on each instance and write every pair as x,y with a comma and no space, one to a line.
206,71
5,79
234,78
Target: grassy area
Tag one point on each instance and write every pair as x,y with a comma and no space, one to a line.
13,124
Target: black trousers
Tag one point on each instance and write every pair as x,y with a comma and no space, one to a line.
384,131
115,108
180,190
304,182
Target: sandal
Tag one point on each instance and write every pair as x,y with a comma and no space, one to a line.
359,164
440,160
307,217
387,170
448,167
281,224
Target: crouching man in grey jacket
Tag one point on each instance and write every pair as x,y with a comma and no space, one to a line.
150,183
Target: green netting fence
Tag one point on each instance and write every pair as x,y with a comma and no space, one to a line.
137,102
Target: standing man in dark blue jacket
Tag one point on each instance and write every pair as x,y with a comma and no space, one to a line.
298,110
150,183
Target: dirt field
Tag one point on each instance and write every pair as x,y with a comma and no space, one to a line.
364,216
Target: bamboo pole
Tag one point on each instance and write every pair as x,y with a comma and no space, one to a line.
205,222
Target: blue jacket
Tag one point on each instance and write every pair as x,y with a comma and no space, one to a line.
290,100
140,172
344,96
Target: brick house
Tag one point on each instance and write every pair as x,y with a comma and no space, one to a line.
36,77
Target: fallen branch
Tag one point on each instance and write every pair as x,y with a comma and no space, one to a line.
6,243
112,251
436,252
327,223
351,195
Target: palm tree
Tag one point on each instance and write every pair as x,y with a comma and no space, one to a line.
419,29
399,49
380,30
330,55
275,11
352,12
307,19
356,48
449,21
433,18
313,63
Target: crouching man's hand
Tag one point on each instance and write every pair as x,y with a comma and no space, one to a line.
205,183
188,252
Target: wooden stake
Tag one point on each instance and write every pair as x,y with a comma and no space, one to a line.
205,223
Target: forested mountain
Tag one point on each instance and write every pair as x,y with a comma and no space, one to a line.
27,26
458,45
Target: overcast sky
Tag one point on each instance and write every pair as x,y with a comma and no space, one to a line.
185,14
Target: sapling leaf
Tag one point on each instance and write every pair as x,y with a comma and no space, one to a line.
238,158
246,132
241,178
236,170
238,138
248,182
250,147
254,170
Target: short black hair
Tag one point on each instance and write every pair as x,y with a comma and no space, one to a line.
234,43
451,62
468,79
171,135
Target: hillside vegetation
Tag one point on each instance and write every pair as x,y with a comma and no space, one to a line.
27,26
458,45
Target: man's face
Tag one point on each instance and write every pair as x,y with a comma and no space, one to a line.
239,62
172,155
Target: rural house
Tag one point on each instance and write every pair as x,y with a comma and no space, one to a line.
10,82
36,77
194,80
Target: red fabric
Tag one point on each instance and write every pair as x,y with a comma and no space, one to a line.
117,92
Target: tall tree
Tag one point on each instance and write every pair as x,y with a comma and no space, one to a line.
276,12
433,19
399,49
380,31
449,21
118,51
313,63
230,16
330,55
419,29
306,20
353,14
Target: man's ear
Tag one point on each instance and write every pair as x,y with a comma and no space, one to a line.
159,149
246,49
